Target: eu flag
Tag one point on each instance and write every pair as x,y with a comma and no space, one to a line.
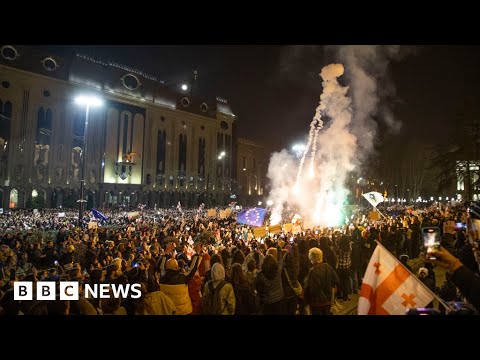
253,217
98,215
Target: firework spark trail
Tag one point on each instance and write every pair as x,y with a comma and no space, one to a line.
335,151
302,160
314,147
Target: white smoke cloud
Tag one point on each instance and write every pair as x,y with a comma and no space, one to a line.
339,147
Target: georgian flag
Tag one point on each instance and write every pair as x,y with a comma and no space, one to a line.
374,198
388,288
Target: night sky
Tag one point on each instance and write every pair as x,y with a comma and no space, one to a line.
274,90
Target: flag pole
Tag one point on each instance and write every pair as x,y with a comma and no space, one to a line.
381,213
441,301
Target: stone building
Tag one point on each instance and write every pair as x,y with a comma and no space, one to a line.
252,166
147,144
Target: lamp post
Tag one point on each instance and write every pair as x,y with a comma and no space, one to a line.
87,101
219,157
299,149
246,185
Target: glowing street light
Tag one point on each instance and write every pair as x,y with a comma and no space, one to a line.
184,87
298,149
87,101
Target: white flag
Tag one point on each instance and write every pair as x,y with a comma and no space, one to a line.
388,288
374,198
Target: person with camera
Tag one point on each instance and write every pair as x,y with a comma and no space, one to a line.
460,275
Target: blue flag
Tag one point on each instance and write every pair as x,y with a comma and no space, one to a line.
253,217
98,215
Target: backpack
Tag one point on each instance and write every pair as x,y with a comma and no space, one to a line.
211,303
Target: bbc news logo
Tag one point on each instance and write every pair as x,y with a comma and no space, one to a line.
47,290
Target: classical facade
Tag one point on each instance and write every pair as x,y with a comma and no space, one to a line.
147,144
252,166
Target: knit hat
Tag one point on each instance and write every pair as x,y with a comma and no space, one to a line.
218,272
423,270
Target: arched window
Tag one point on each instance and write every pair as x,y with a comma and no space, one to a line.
161,151
13,203
5,119
7,110
182,153
78,129
201,157
44,127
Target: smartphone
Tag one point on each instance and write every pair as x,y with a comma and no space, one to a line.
56,262
431,241
460,226
316,232
291,240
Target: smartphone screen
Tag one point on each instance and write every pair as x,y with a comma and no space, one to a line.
460,226
431,240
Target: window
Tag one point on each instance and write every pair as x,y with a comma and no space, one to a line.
224,125
161,148
130,81
13,199
182,153
185,102
204,107
49,63
9,52
201,156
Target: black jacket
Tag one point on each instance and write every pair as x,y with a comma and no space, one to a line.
469,285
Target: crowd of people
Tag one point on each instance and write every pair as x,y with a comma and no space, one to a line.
189,263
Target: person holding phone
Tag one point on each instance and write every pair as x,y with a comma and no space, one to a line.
461,276
431,240
464,252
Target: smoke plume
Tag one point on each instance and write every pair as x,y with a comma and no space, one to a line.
338,146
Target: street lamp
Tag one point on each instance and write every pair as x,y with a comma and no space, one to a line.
219,157
298,149
87,101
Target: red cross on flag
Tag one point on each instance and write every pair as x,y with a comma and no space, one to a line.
388,288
